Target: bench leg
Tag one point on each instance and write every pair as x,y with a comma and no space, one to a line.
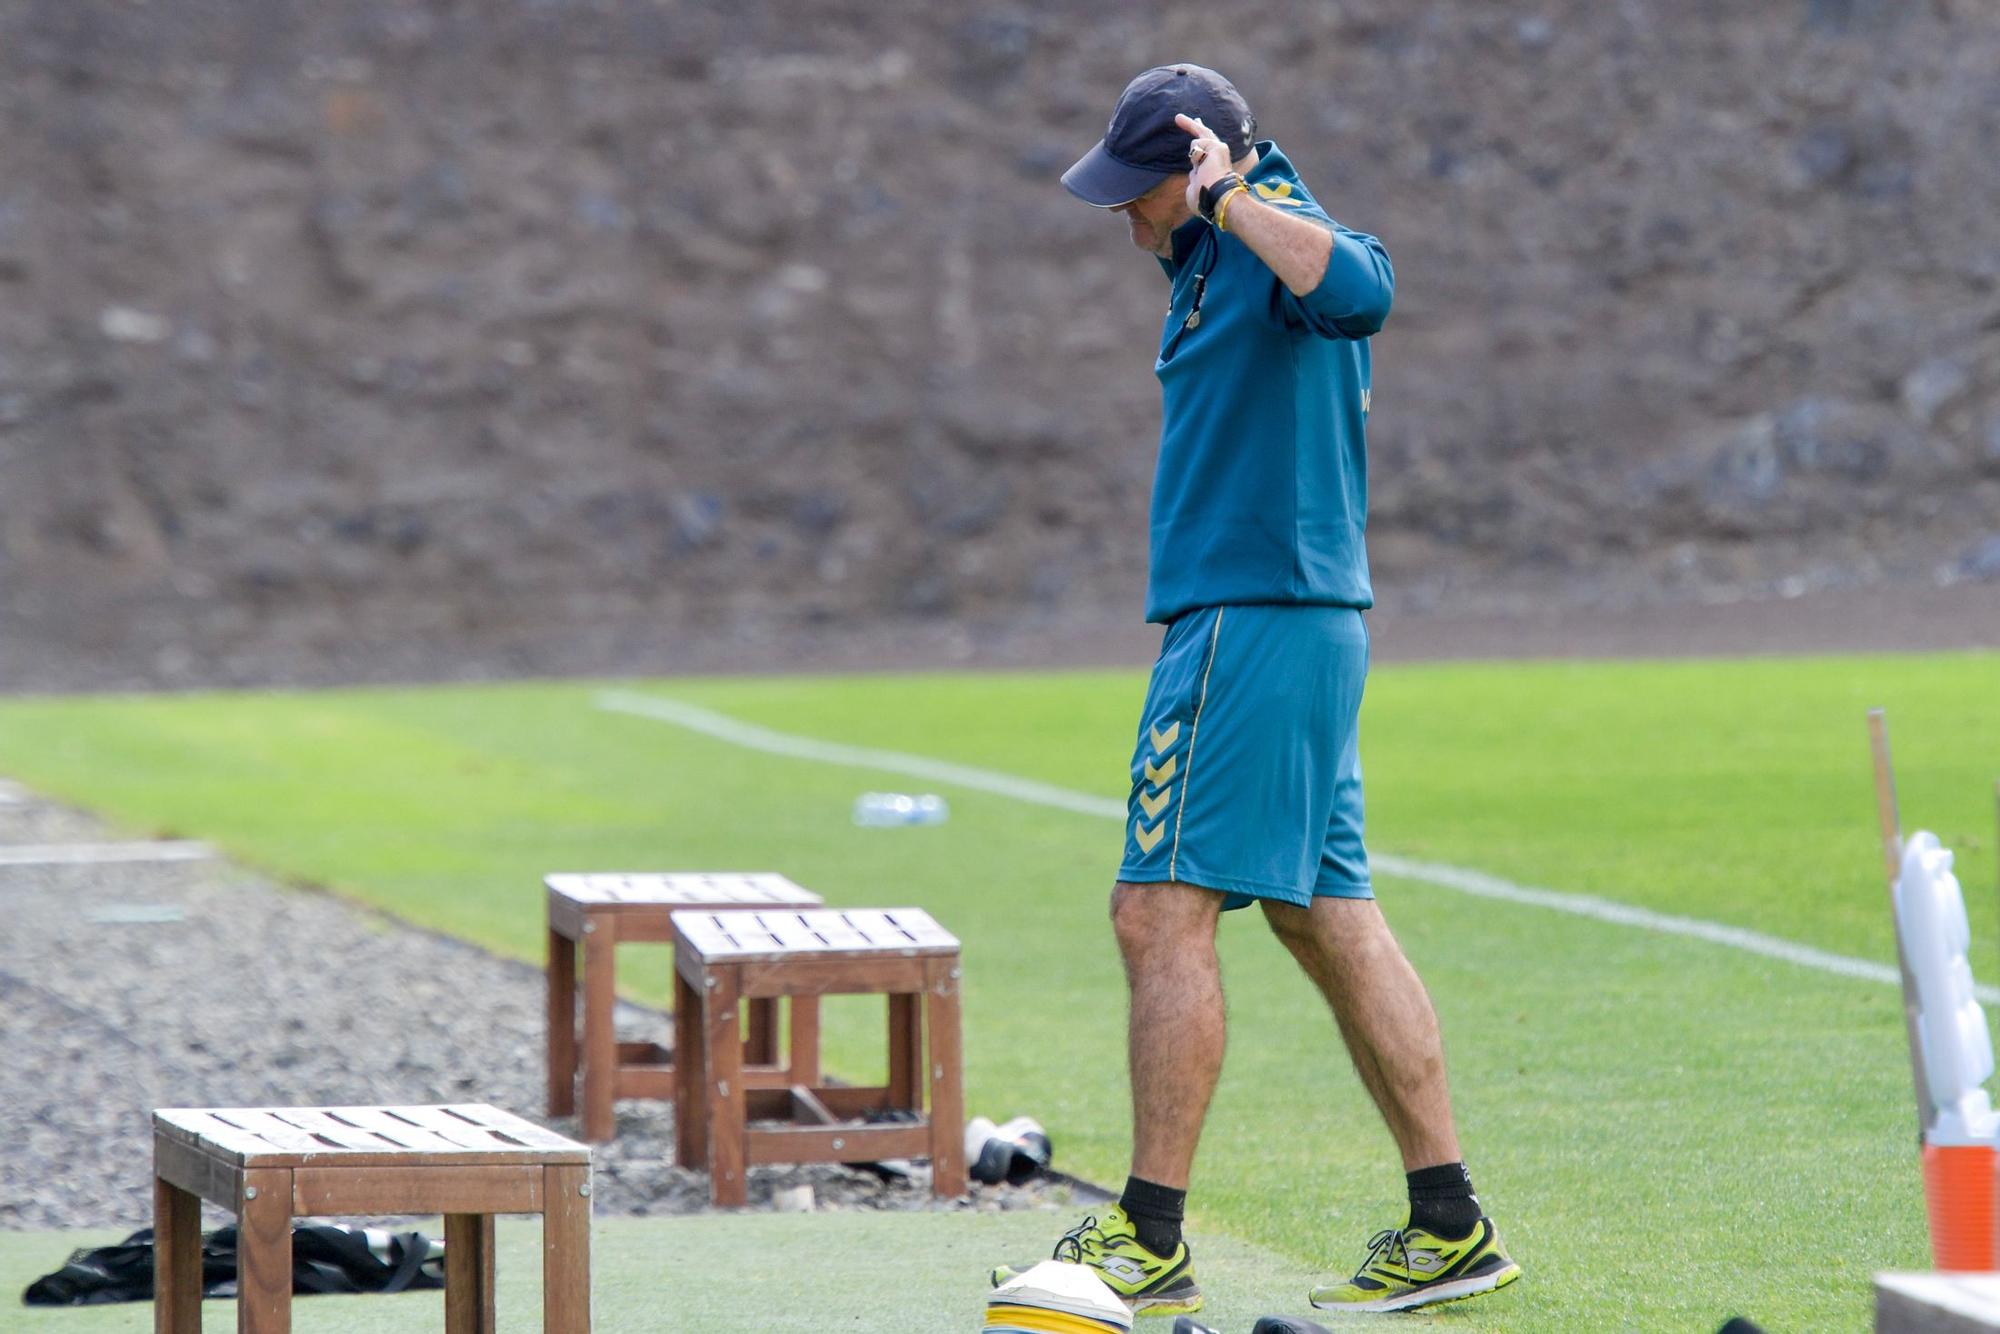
565,1250
945,1071
690,1078
264,1252
600,1042
805,1041
468,1274
562,1024
723,1049
906,1052
176,1260
760,1042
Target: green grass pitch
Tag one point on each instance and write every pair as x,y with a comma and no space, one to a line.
868,1273
1669,1131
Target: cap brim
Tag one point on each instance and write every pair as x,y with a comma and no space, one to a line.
1102,180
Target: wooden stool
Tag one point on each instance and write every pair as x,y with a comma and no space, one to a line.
601,912
273,1164
724,958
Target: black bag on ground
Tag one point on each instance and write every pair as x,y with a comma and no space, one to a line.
325,1258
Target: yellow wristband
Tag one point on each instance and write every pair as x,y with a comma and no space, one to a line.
1222,208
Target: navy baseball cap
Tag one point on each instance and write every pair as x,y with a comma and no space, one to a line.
1143,146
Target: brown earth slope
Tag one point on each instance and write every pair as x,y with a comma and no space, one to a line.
360,337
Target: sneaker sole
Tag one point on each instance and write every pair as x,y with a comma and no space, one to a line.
1181,1303
1453,1291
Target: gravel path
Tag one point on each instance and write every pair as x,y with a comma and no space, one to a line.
134,986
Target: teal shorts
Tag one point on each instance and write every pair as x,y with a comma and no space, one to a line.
1247,774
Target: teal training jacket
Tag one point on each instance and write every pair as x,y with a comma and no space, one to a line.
1261,493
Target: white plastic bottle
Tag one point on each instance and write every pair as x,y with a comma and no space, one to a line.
884,810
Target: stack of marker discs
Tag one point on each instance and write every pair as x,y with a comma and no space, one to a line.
1056,1298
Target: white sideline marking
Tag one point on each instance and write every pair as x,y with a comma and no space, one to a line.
1481,885
724,728
1463,879
11,794
92,854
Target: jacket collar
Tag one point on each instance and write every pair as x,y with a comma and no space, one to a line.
1272,164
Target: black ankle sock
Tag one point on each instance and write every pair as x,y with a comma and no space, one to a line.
1442,1202
1156,1213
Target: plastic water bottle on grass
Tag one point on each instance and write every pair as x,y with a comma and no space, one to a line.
887,810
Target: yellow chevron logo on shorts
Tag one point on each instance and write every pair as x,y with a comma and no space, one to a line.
1164,772
1148,839
1164,741
1155,802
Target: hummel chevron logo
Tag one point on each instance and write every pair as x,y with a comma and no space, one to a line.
1164,741
1281,193
1164,772
1148,839
1154,802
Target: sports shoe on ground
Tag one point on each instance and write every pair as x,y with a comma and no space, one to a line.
1150,1284
1408,1267
987,1156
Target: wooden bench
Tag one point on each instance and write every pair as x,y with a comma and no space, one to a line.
273,1164
601,912
724,959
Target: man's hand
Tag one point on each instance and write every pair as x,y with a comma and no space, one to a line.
1296,249
1208,159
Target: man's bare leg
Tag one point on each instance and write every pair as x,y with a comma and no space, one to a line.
1391,1031
1166,934
1385,1017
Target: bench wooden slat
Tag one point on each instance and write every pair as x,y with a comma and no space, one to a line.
472,1133
875,925
487,1127
334,1132
436,1124
693,889
255,1130
389,1128
744,936
922,929
837,933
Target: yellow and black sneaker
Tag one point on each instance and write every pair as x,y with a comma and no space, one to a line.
1150,1284
1408,1267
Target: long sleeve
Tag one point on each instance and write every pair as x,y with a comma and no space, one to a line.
1353,297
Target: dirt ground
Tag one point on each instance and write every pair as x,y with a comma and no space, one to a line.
361,341
1919,619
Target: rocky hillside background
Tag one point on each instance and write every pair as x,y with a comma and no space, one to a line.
566,334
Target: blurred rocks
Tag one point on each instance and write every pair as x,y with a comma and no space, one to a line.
1928,388
522,341
1746,469
1988,446
1858,441
1983,560
122,324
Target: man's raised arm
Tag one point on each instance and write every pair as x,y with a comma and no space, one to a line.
1341,280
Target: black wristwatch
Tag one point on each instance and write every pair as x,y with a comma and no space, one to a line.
1211,195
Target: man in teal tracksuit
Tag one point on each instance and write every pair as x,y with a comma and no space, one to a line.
1246,781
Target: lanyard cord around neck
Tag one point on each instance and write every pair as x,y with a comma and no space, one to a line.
1194,309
